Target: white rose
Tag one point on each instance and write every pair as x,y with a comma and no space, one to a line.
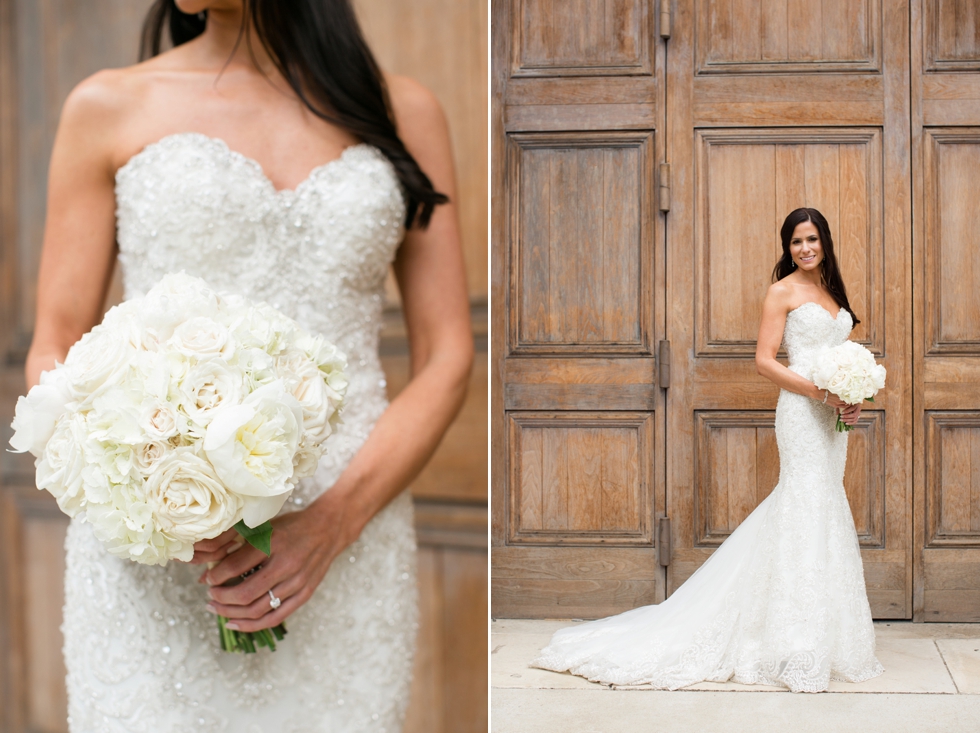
98,361
158,420
203,338
251,447
308,385
837,383
59,468
305,461
205,388
188,500
35,415
148,455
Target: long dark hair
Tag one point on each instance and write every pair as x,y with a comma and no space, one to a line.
318,47
829,272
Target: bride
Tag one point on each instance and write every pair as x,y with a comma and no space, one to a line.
267,154
782,601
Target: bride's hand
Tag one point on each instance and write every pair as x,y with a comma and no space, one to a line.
216,549
304,544
849,414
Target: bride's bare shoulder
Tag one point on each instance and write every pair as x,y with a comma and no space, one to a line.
102,108
779,297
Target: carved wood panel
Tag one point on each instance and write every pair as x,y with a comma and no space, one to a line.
951,173
953,476
581,280
738,467
581,478
788,36
952,35
747,182
581,37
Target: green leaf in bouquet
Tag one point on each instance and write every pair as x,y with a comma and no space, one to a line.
870,399
258,537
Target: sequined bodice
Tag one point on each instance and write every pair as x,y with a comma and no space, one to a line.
318,253
810,328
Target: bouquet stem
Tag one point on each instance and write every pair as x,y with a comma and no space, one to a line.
248,641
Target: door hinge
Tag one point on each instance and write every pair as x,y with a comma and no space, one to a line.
663,364
665,18
664,193
663,541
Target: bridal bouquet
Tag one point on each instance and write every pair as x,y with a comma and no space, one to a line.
183,414
850,372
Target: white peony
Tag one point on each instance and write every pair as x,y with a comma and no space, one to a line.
36,414
252,445
188,500
178,297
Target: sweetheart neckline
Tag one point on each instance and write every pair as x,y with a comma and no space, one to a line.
813,302
251,162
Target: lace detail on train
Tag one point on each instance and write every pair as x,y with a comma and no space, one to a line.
141,651
782,601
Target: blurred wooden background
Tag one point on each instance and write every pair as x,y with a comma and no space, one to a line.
48,46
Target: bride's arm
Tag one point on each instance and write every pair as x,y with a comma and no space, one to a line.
774,310
431,277
79,232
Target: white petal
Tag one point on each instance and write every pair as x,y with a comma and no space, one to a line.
262,509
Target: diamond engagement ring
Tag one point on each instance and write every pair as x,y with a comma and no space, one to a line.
273,601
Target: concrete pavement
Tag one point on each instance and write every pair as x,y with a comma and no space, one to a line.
931,684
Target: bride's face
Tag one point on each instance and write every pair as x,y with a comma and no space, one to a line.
193,7
805,247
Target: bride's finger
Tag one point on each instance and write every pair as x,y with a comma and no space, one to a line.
256,586
275,617
231,566
261,605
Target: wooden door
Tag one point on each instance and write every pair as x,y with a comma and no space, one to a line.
946,206
578,272
774,106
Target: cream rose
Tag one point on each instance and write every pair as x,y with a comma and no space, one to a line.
203,338
205,388
187,498
59,468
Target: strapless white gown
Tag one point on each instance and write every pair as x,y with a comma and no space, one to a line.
141,651
782,601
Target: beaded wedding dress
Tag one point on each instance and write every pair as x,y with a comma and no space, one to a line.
142,652
782,601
